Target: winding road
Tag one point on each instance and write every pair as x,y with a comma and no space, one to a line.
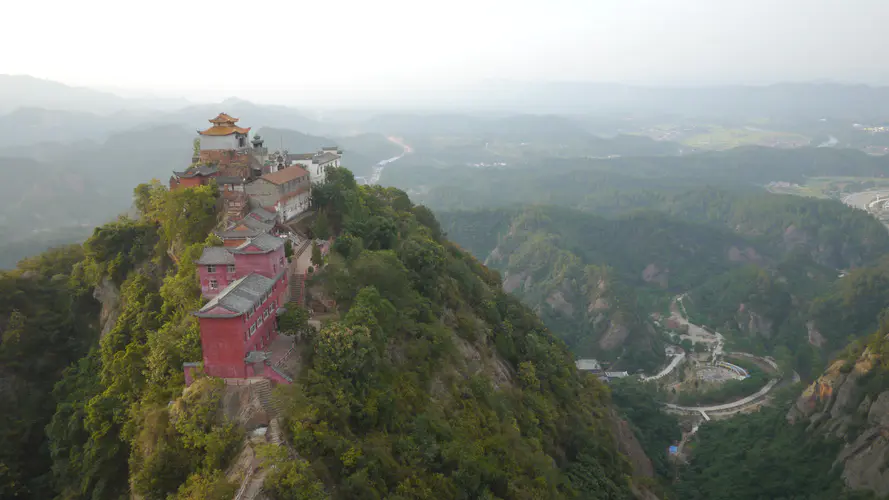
697,333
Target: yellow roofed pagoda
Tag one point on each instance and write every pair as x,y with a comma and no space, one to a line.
224,124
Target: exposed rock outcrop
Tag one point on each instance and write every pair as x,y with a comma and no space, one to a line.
754,323
838,405
653,274
629,445
815,337
557,301
748,254
108,294
614,336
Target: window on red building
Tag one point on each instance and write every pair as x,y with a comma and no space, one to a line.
214,285
231,268
211,268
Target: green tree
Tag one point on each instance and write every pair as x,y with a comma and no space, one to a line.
289,478
321,227
212,486
295,322
288,249
317,259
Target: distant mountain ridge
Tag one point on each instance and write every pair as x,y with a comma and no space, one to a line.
22,91
815,100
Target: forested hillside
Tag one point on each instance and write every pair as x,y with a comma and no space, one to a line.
760,267
430,382
595,281
826,443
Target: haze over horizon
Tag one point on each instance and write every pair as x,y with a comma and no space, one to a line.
345,50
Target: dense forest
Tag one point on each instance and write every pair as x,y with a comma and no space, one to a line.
431,381
761,455
759,267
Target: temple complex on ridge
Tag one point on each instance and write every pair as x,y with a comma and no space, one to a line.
247,280
251,178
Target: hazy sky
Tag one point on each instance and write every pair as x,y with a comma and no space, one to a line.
333,47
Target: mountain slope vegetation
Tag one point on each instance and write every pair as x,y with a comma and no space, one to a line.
429,382
760,267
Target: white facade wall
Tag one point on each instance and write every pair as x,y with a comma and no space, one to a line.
294,206
219,142
318,171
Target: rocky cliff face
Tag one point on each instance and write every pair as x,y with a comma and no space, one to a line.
108,294
849,402
752,322
585,306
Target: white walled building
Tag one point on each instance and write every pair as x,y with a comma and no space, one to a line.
318,163
224,134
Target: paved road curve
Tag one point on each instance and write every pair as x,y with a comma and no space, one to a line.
728,406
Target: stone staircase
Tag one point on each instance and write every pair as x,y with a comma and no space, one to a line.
269,403
274,435
298,289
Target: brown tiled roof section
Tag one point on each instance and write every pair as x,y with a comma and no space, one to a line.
218,130
285,175
223,118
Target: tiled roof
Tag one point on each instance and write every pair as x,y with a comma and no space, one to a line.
223,118
217,256
230,179
324,158
264,242
300,156
239,297
199,170
231,234
256,224
285,175
224,130
262,215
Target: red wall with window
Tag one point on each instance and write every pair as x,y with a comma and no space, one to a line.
222,275
226,341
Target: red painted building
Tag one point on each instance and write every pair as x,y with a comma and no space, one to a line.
239,323
218,267
263,255
197,176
